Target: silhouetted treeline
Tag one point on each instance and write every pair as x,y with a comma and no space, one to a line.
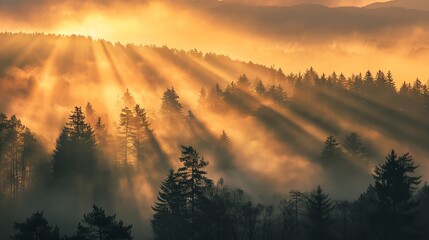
190,206
94,225
21,157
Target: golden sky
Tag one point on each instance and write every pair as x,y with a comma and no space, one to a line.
322,42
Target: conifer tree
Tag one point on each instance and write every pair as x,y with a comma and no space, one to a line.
75,152
353,145
194,185
127,131
224,140
128,99
167,218
3,128
395,184
101,133
97,226
171,108
35,228
13,154
260,88
243,82
142,124
390,82
215,98
143,133
319,215
331,151
90,114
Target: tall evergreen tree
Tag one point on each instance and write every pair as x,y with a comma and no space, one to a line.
260,88
3,128
194,185
101,133
127,135
171,107
167,218
243,82
128,99
319,215
355,148
331,152
390,82
142,124
215,98
224,140
75,153
143,132
90,114
13,155
395,184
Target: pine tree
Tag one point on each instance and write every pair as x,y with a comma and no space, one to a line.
260,88
104,141
35,228
127,134
368,85
90,114
380,81
342,81
3,128
243,82
171,108
405,90
215,98
142,124
102,133
128,99
167,218
194,185
143,133
390,82
354,147
13,154
75,152
331,152
319,219
224,140
395,184
277,94
97,226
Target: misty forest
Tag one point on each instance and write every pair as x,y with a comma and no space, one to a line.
267,131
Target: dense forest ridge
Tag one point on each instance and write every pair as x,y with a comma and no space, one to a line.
20,147
295,111
190,206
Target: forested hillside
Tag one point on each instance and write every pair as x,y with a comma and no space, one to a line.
199,146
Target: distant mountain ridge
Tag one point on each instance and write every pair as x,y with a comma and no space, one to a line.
408,4
310,19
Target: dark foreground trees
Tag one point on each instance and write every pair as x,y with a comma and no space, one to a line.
197,209
94,226
319,209
167,222
75,153
183,204
396,210
35,227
